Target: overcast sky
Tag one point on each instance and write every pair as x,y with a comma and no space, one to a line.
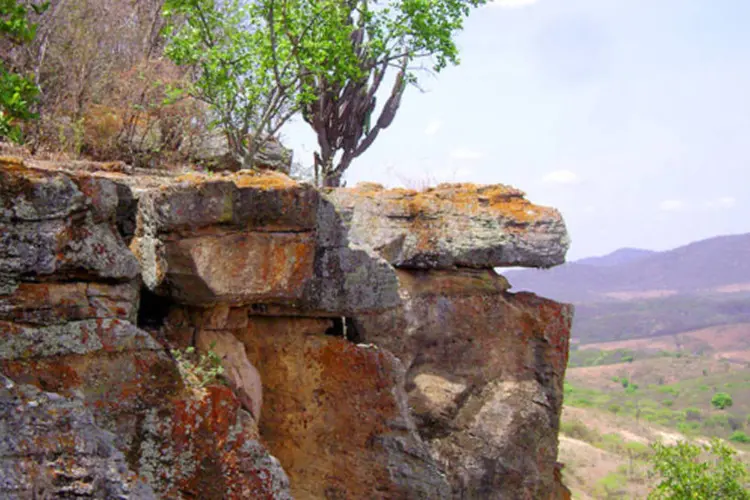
630,116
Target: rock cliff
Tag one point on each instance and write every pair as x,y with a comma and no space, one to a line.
368,348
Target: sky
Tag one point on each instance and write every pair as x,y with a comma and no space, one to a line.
632,117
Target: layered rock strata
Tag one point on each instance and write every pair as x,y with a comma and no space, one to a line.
366,342
103,409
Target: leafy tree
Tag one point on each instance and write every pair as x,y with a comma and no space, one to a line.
252,83
346,57
721,401
258,63
686,475
17,92
739,437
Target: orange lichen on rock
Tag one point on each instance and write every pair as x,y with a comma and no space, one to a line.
265,180
501,199
454,225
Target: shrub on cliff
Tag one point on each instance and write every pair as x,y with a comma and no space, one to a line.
18,92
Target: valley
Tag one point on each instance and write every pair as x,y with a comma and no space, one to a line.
660,351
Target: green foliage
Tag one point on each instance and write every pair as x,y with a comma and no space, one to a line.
227,44
17,92
576,429
612,485
668,389
739,437
721,400
685,474
198,370
258,63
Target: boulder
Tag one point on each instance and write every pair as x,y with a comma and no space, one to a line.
256,239
242,376
453,225
484,377
53,226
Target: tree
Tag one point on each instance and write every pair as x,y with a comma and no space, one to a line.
17,92
346,57
685,475
249,80
721,400
258,63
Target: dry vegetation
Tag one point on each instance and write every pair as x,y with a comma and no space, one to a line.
104,85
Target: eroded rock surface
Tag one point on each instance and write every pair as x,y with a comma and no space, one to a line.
484,378
438,383
91,401
256,239
56,227
454,225
51,447
334,413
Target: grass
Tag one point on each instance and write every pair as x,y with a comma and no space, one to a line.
684,405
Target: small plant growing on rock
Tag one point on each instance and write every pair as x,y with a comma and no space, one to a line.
198,370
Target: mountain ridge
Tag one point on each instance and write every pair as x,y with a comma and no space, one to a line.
701,266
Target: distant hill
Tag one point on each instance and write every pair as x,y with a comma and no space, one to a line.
616,258
720,264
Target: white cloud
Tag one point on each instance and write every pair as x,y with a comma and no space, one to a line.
466,154
433,127
561,177
671,205
723,202
511,4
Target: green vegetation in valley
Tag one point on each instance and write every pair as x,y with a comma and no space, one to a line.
691,471
623,320
580,357
689,406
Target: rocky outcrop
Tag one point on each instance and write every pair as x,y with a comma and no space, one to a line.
264,240
484,377
52,448
365,340
454,225
114,406
54,227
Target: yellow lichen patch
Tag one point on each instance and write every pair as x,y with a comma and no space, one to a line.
497,199
262,180
194,178
11,161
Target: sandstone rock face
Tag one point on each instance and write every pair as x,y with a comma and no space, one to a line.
334,413
337,411
100,401
454,225
439,383
484,378
51,448
256,239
